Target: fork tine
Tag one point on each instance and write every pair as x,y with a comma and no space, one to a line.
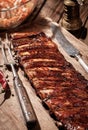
8,47
7,39
26,105
3,52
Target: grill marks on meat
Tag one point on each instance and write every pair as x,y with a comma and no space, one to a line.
33,43
57,83
43,63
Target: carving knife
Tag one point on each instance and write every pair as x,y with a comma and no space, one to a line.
80,2
67,46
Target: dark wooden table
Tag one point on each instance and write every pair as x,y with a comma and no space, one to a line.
54,10
10,112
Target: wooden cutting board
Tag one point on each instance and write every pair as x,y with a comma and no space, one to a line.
10,113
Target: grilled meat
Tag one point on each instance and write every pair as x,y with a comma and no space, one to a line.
57,83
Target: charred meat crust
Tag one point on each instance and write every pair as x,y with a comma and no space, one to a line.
57,83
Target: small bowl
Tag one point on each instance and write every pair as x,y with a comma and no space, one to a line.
14,14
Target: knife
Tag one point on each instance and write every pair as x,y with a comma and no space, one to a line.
67,46
80,2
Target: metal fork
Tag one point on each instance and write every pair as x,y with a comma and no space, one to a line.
26,106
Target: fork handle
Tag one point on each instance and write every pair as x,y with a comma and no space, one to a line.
25,103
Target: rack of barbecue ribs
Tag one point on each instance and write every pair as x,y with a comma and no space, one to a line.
61,88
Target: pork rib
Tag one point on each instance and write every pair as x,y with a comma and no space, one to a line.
57,83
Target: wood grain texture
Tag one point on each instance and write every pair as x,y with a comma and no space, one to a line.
10,113
11,116
54,10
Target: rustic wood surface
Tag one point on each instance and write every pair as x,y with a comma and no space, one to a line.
54,10
10,113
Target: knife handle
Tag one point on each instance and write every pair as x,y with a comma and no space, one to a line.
83,64
26,106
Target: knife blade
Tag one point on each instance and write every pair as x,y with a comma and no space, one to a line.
80,2
66,45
